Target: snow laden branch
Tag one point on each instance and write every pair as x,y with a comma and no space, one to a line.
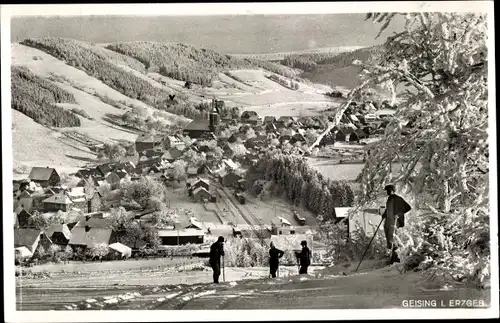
339,113
438,138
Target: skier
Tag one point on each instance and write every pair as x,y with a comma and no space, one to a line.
216,251
395,209
304,258
274,255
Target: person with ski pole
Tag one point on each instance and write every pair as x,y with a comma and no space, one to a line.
304,258
274,255
216,251
395,210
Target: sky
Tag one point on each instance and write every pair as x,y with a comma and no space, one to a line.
236,34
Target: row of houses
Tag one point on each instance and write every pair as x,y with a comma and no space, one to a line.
85,199
94,229
157,154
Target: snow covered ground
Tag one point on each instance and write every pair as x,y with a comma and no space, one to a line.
247,288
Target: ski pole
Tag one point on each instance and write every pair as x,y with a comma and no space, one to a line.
369,244
223,270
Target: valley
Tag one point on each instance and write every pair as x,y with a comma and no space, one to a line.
246,89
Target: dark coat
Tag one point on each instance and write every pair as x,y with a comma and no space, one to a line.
396,206
305,257
216,251
274,255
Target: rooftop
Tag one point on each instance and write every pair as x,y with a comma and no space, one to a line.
40,173
58,199
181,233
341,212
146,138
198,125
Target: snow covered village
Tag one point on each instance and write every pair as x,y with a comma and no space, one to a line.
178,169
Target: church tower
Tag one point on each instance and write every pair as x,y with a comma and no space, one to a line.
214,118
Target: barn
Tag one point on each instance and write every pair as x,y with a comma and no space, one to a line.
44,176
201,194
180,237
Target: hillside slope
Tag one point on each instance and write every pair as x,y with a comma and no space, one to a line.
34,144
38,99
189,63
103,85
88,93
332,68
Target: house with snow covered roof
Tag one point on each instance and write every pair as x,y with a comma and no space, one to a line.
180,237
147,141
201,194
31,238
195,224
86,237
44,176
198,182
280,225
60,234
57,202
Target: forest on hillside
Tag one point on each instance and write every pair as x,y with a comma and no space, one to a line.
310,61
190,63
98,63
179,61
36,97
303,185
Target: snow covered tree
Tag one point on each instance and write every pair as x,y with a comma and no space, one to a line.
218,153
439,134
250,133
119,218
69,181
156,203
162,219
179,170
143,191
98,250
112,152
38,221
57,218
238,150
311,135
193,158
